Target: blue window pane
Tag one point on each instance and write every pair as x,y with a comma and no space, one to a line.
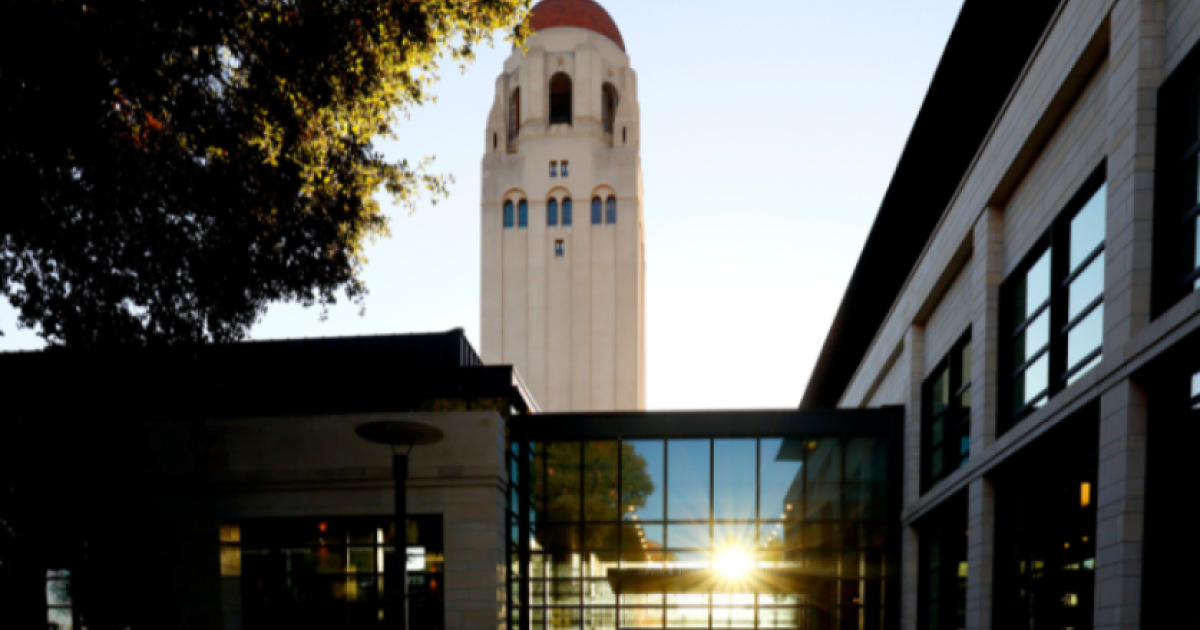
596,211
554,169
1033,290
1087,228
611,211
1031,340
734,473
566,212
1085,337
552,212
564,169
1085,288
1032,383
642,481
523,214
508,214
781,482
688,476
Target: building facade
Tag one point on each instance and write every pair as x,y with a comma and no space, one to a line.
1027,294
563,245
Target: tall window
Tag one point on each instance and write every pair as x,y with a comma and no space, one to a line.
946,431
610,211
523,214
560,99
508,215
59,600
514,114
554,169
943,572
552,212
1177,198
597,211
609,106
1054,306
566,212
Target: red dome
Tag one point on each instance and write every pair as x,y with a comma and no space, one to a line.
578,13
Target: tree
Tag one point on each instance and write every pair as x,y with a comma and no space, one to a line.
173,167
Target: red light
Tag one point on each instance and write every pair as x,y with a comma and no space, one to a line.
322,526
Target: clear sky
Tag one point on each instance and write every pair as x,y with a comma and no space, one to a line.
770,131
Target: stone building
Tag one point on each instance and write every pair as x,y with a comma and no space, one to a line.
563,252
1027,294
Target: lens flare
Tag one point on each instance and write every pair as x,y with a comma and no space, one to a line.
733,563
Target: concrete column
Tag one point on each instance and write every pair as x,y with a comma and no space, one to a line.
987,272
1136,68
912,360
1120,507
981,552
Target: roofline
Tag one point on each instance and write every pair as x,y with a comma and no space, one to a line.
1005,40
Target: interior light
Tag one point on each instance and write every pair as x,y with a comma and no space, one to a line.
635,517
1085,494
322,526
631,508
789,507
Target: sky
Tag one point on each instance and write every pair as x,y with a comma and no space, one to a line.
769,137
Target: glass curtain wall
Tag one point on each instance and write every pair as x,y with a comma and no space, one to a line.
701,533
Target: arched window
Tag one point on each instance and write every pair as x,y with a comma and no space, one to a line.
560,99
566,214
610,214
508,214
522,214
597,211
514,114
609,106
552,212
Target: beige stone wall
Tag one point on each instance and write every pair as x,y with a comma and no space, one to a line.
950,319
318,466
574,326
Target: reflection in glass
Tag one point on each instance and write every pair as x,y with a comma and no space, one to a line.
1085,337
1031,384
641,617
687,617
599,618
688,475
563,491
566,213
1085,288
642,480
600,481
681,536
523,213
824,483
1087,228
739,535
733,472
552,213
59,619
866,462
780,482
1033,289
1032,340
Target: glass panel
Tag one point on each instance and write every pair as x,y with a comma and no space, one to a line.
566,212
781,618
1085,337
780,476
523,214
966,367
688,475
563,618
597,564
59,619
641,617
735,617
687,560
642,480
558,538
866,470
1031,383
363,560
508,214
734,535
642,536
563,481
1087,228
611,211
231,561
600,618
775,539
687,617
599,536
325,560
552,212
1032,290
824,484
231,533
597,211
940,392
600,481
681,536
1085,288
1032,339
734,478
58,591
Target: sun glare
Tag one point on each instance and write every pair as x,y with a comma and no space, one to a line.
733,563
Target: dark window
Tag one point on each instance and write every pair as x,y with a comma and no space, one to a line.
597,211
508,214
523,214
558,248
560,99
566,212
943,570
1045,566
609,106
564,169
338,572
514,114
495,140
1054,306
552,212
1177,190
554,169
610,214
946,402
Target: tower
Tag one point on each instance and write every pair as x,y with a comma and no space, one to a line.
563,248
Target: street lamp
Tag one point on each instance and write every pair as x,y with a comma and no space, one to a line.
398,434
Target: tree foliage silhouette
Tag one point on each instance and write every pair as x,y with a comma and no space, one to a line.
173,167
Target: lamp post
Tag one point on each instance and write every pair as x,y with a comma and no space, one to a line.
398,434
